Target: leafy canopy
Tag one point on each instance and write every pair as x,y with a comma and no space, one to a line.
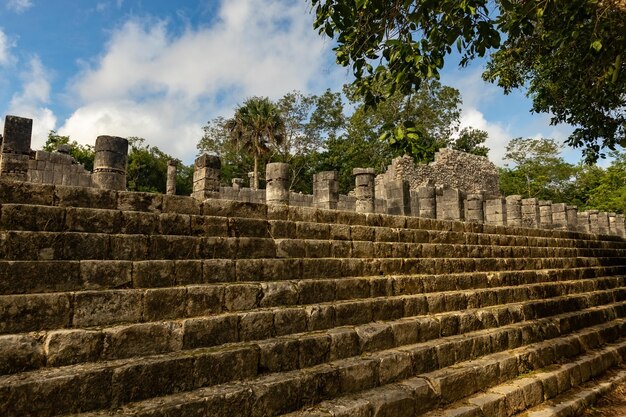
537,171
255,125
569,54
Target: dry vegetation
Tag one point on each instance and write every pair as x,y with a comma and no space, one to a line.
611,405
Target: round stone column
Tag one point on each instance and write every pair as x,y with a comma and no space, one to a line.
109,167
277,186
171,177
365,189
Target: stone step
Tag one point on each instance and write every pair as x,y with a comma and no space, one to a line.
63,196
20,217
196,368
448,315
28,245
575,401
455,387
366,386
24,277
350,299
557,391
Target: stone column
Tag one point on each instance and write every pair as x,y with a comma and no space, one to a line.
514,210
206,176
545,213
612,224
171,177
572,218
559,216
603,223
495,211
109,166
277,183
237,183
583,222
450,204
427,201
15,151
326,190
620,227
398,196
594,225
474,211
364,190
530,212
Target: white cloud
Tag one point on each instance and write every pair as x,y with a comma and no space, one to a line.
499,136
152,83
19,6
5,45
503,117
31,102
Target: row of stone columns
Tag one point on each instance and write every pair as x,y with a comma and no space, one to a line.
111,155
427,201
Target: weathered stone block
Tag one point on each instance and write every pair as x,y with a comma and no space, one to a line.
181,205
210,331
142,340
151,378
129,247
203,300
314,349
164,303
93,308
278,355
256,325
20,353
320,317
174,224
67,347
375,337
105,274
289,321
357,374
60,276
213,270
34,218
242,297
33,312
173,247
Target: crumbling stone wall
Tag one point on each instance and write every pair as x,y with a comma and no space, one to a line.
57,168
455,169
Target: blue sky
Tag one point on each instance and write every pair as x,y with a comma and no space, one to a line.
160,69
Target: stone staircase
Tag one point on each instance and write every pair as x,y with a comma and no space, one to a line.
157,305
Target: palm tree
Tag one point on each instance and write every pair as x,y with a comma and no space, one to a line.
257,124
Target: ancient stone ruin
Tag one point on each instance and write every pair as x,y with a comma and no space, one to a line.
454,169
125,303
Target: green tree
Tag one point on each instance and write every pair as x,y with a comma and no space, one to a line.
310,121
216,140
257,125
472,141
435,110
538,170
83,154
147,169
608,191
570,54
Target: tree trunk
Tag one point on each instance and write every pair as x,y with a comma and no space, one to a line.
255,176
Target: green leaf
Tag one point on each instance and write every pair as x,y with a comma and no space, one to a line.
596,45
329,30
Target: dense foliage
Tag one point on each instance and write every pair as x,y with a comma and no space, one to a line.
569,54
321,135
147,165
537,170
